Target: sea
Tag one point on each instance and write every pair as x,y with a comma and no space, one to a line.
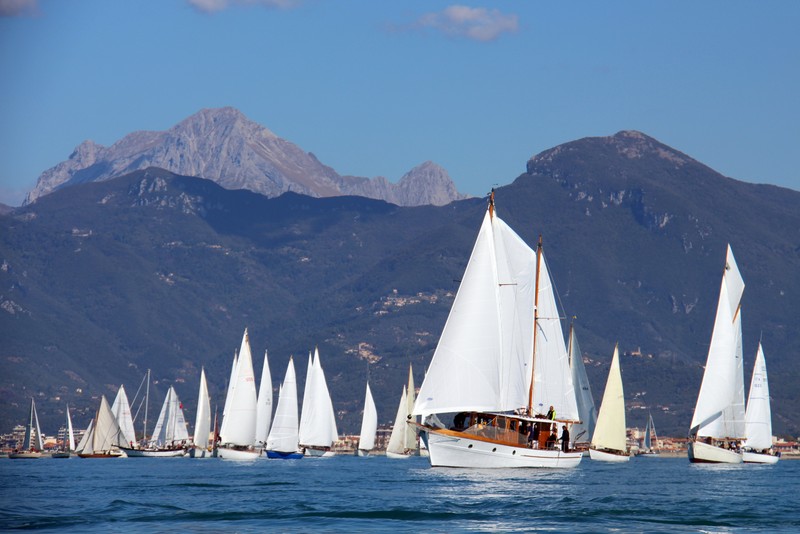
378,494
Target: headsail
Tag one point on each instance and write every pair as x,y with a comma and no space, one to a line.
610,430
369,423
758,418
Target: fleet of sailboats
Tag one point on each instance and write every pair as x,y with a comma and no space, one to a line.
500,361
609,441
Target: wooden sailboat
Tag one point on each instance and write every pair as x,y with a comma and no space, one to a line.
317,432
68,446
650,439
500,361
582,431
369,425
202,422
609,442
757,447
283,440
718,423
32,444
403,440
100,439
238,432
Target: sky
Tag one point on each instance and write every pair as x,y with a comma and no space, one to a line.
374,88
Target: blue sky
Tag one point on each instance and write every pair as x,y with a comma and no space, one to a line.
377,87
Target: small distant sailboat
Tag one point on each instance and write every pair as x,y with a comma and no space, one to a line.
238,432
650,439
609,442
317,432
122,411
264,409
68,446
758,417
283,439
169,435
100,439
718,423
369,425
582,431
202,422
33,443
403,440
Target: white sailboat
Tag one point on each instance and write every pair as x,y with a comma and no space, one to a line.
758,417
32,444
264,409
68,446
202,421
100,439
369,425
609,442
170,434
581,432
650,439
501,358
718,422
317,432
238,433
403,440
283,440
122,411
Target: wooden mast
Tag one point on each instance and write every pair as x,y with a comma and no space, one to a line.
535,324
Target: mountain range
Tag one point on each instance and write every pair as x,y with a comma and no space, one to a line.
225,146
104,279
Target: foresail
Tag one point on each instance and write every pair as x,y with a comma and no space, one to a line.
283,435
229,394
581,432
318,422
202,422
610,430
759,417
369,423
240,421
106,428
396,440
122,411
264,411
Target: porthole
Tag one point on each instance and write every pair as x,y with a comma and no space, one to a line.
513,452
470,446
494,450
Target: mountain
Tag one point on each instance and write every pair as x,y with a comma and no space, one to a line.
225,146
104,280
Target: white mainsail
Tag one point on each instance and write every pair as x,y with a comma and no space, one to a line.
318,421
122,411
283,435
581,432
239,423
33,434
610,430
229,392
719,412
397,439
202,421
264,410
758,417
69,437
171,424
369,423
102,433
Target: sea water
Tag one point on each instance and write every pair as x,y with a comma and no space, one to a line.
377,494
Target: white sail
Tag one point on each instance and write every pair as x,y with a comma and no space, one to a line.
122,411
610,430
69,437
758,418
33,434
239,423
482,361
283,435
318,421
106,429
647,442
719,412
397,439
369,423
85,445
171,424
410,433
202,421
581,432
229,392
264,410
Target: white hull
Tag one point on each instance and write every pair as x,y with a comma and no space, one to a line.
153,453
700,452
25,455
317,453
238,454
362,453
648,455
757,458
460,451
196,452
604,456
398,456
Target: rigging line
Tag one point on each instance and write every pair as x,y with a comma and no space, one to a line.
555,290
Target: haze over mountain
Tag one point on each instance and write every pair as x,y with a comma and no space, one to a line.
103,280
225,146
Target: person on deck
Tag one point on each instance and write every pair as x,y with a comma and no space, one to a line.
564,439
551,441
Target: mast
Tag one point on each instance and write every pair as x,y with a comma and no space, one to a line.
491,204
146,402
535,323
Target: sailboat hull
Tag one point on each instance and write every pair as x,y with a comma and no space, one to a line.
757,458
362,453
277,455
103,455
398,456
154,453
605,456
451,449
197,452
25,455
700,452
238,454
318,453
66,454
